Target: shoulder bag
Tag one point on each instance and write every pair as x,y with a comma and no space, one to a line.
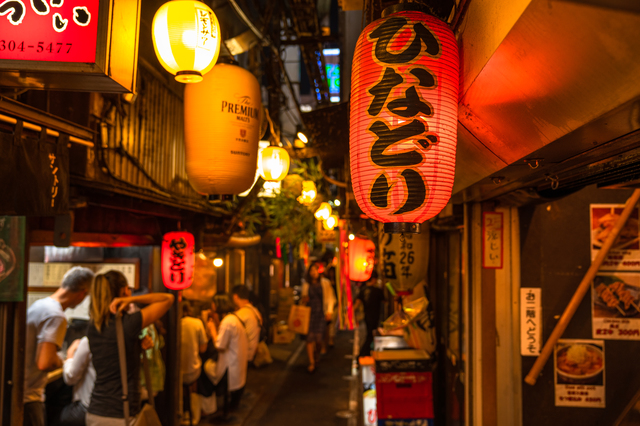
147,415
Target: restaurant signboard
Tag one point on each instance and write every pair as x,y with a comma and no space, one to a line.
85,45
579,373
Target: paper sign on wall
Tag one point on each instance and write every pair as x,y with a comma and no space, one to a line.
579,373
530,321
492,230
625,251
615,306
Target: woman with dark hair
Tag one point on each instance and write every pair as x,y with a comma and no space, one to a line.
110,295
230,339
318,295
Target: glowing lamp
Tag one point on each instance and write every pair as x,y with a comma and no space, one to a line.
222,130
186,38
403,118
362,253
323,212
303,138
330,222
217,262
273,163
178,259
309,192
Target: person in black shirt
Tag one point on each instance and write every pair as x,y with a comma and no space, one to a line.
371,298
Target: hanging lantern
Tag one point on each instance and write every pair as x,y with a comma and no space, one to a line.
362,253
273,163
323,212
178,259
330,222
309,192
222,122
186,38
404,260
404,103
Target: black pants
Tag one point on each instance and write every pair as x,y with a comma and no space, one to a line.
73,414
365,349
34,414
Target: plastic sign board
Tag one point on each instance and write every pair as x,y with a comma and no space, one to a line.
42,42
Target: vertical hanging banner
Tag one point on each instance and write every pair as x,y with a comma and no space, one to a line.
12,242
345,301
178,260
403,118
615,307
579,373
530,321
492,240
625,251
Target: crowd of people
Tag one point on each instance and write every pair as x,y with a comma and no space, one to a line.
218,344
215,350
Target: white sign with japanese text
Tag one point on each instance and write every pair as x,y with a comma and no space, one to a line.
625,251
530,321
615,306
492,229
579,373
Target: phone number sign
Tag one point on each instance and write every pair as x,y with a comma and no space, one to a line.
54,30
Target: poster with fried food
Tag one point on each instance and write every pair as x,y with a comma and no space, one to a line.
579,373
615,305
625,251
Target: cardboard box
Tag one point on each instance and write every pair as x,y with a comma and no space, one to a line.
282,334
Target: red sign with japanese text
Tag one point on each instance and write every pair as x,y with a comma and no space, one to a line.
178,260
49,31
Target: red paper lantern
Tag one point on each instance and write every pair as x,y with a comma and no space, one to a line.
362,255
178,259
404,104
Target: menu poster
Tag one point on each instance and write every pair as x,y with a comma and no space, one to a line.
615,306
625,252
579,373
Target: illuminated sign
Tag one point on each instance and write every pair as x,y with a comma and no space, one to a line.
35,31
85,45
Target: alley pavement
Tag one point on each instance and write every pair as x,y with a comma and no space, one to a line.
285,393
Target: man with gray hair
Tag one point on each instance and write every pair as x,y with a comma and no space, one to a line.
46,327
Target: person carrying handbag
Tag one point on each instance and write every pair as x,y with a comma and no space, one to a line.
111,296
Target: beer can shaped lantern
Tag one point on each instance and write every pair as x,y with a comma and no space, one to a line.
222,126
404,104
178,260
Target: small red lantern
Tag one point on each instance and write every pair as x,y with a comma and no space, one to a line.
362,255
403,123
178,259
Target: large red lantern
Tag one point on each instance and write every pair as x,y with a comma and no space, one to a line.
362,255
178,259
404,104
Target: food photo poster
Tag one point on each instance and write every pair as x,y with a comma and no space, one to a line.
615,306
579,373
624,255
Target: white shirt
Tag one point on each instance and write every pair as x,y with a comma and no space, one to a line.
252,322
45,323
192,337
328,295
79,373
233,345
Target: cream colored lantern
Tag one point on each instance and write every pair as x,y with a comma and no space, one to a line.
222,126
273,163
323,212
186,38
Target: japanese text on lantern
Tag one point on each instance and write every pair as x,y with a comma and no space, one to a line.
177,259
410,106
530,321
492,230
